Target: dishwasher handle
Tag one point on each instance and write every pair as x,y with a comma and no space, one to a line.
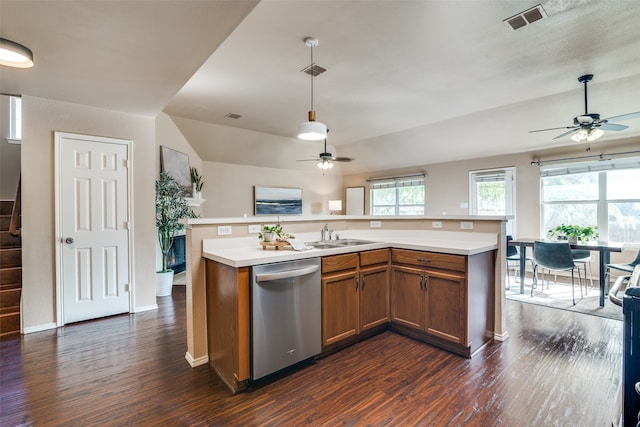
267,277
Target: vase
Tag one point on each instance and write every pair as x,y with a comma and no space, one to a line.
268,236
573,240
198,194
164,283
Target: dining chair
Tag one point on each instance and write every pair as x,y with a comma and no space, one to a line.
513,256
627,268
583,257
555,256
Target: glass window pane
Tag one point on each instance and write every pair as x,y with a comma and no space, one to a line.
624,222
383,210
411,195
583,214
411,210
580,186
383,196
623,184
491,198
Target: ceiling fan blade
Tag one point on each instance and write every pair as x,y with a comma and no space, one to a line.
621,117
342,159
544,130
611,126
567,133
307,160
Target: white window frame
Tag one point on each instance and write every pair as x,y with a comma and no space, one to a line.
506,174
397,183
15,120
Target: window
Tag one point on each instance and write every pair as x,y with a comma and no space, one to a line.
604,194
398,196
492,192
15,119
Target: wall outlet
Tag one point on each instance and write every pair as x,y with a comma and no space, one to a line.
375,224
224,230
254,228
466,225
436,224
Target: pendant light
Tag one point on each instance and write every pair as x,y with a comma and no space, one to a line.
312,130
15,55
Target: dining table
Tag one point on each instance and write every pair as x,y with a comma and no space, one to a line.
604,250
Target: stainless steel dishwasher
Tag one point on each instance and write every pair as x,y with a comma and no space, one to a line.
286,316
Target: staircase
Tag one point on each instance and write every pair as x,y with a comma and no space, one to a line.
10,269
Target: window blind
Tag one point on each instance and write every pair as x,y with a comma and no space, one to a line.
595,166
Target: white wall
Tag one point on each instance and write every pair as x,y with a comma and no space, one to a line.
229,188
41,117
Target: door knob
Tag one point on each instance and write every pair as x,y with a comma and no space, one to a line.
68,240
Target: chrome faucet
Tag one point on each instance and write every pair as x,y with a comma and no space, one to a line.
324,233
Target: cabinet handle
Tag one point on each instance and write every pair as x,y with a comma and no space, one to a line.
421,282
426,282
423,260
355,279
362,282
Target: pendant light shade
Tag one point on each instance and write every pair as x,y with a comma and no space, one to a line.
312,130
587,135
15,55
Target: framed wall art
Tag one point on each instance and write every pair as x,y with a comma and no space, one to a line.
177,165
277,200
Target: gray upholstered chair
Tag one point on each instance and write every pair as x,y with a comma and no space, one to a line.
555,256
513,257
583,257
627,268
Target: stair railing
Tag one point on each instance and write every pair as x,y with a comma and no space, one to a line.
14,224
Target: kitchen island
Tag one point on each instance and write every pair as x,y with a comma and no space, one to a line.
435,286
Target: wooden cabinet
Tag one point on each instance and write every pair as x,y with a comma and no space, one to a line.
435,299
355,294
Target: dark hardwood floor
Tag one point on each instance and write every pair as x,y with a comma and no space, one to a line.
558,368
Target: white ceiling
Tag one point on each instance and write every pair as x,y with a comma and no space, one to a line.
408,83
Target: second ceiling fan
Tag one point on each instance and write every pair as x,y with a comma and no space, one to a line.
325,159
589,127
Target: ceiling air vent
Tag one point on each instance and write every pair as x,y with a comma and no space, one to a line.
529,16
233,116
314,70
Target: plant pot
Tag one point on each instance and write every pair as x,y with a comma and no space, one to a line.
268,236
164,283
573,240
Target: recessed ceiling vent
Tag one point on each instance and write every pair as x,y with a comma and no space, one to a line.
529,16
233,116
314,70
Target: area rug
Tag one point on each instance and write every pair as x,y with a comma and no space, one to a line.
559,296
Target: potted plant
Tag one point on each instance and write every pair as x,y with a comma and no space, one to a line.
171,207
573,233
270,233
196,178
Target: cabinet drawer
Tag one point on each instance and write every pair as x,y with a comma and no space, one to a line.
378,256
339,262
429,259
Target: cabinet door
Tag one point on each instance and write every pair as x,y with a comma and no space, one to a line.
374,297
445,307
407,299
340,308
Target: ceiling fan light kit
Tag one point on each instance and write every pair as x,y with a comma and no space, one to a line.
312,130
15,55
590,127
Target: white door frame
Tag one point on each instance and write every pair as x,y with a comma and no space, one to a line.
58,238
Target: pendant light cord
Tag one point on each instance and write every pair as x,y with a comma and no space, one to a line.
312,73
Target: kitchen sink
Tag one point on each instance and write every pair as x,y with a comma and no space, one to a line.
339,243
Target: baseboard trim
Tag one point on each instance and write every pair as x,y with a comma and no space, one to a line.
39,328
501,337
196,362
145,308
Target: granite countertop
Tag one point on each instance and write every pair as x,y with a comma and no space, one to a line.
247,251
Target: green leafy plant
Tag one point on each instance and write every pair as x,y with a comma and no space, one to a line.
171,207
274,230
577,232
197,179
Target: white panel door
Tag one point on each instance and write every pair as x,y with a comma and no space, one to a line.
92,211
